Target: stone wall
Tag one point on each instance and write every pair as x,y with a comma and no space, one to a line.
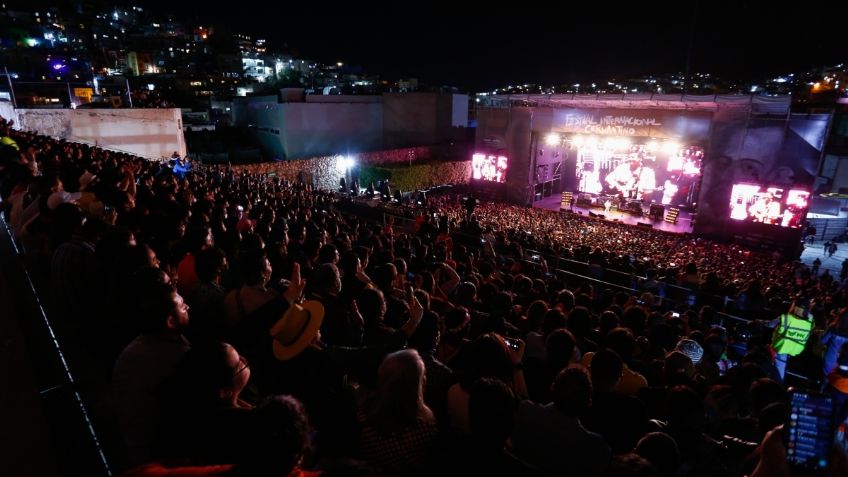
324,172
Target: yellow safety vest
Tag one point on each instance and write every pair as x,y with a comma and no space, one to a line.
791,334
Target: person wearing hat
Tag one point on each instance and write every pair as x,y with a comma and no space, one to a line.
313,371
299,328
691,349
87,197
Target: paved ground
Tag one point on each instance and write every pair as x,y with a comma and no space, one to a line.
834,263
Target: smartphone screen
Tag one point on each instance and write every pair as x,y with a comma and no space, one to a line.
809,430
513,344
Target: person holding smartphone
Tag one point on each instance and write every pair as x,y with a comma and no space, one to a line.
811,441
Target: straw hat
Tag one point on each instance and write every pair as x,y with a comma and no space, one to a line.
297,329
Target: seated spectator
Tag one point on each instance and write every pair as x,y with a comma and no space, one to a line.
485,357
491,421
399,430
552,438
661,451
630,465
276,443
202,406
699,453
621,341
439,377
560,352
621,419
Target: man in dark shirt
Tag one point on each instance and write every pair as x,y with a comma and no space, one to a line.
552,438
621,419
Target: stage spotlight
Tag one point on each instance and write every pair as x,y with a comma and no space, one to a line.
670,147
552,139
622,143
652,146
344,163
578,141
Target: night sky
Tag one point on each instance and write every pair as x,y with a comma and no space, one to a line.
526,44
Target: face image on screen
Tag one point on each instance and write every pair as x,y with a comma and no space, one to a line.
769,205
488,167
656,171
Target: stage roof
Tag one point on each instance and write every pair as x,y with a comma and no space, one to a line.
709,102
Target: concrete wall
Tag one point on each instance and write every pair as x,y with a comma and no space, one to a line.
459,110
150,133
240,109
408,119
423,118
7,111
335,124
340,128
299,130
267,123
340,98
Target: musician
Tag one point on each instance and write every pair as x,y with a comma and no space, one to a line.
765,209
632,178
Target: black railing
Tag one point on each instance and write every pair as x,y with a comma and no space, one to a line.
76,446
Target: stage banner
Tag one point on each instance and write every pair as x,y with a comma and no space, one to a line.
693,126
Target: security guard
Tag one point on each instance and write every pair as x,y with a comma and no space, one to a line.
791,333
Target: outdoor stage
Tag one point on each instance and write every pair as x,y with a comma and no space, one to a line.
683,225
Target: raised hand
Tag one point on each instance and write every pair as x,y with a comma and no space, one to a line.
295,289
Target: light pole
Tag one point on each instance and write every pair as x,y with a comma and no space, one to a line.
11,88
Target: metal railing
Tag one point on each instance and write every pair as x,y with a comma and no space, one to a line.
77,444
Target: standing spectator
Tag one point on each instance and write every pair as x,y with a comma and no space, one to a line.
207,297
147,362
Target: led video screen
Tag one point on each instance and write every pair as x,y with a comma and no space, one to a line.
488,167
654,171
769,205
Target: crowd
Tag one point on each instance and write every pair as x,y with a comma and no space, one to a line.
249,326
